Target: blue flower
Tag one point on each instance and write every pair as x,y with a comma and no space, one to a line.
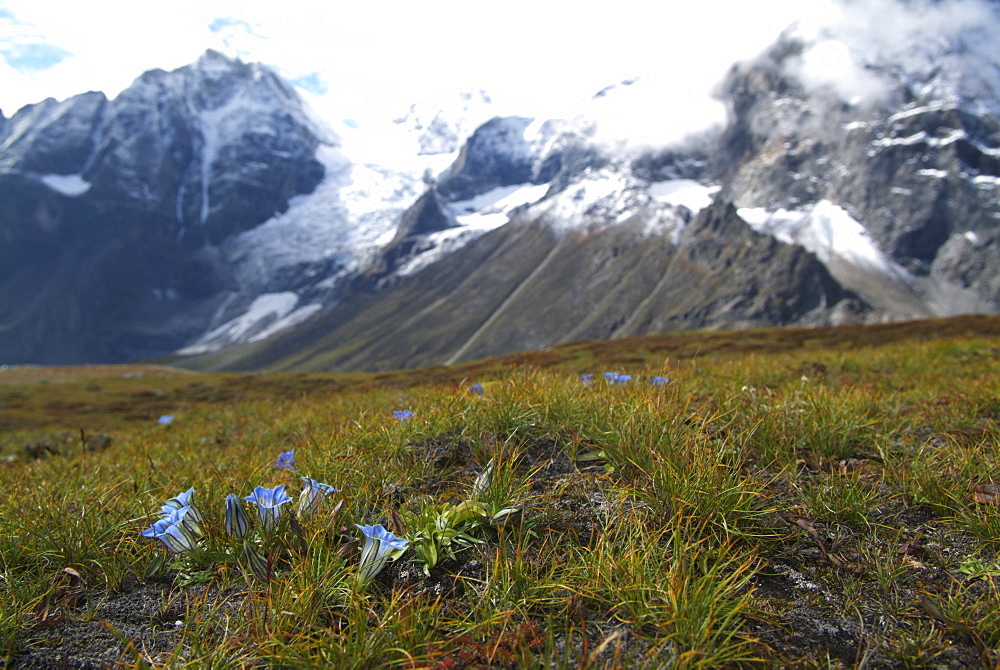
611,377
311,495
477,388
166,419
379,544
237,523
402,414
268,502
621,379
660,381
185,499
615,378
587,379
173,532
286,460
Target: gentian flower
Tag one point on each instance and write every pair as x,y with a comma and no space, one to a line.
621,379
166,419
185,499
402,415
477,388
286,461
611,377
482,483
311,495
237,523
268,502
660,381
172,531
379,543
587,379
258,564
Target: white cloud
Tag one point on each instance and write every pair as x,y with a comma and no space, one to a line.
535,58
375,58
944,49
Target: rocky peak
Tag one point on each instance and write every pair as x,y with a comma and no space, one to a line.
52,137
121,206
497,154
217,146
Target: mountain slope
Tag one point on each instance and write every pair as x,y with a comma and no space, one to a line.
524,285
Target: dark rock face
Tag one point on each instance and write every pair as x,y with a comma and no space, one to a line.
726,275
505,151
110,210
917,171
497,154
219,146
426,216
53,137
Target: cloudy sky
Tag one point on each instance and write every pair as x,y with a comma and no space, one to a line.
365,60
367,56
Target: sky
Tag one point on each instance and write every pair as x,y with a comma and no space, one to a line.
370,60
373,57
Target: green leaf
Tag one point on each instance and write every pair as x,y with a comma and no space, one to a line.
155,566
506,513
432,556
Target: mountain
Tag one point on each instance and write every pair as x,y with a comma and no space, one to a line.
200,207
113,210
813,205
207,211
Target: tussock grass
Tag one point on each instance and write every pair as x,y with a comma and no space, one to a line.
789,499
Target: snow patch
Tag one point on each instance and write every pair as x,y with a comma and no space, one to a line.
72,185
953,135
295,317
492,209
916,111
436,246
683,192
266,315
989,151
971,237
475,217
916,138
353,211
599,198
934,174
827,231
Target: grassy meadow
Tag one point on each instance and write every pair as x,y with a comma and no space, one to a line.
789,498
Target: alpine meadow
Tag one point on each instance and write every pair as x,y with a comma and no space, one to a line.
773,498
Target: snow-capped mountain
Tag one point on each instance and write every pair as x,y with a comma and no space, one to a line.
200,208
866,196
855,180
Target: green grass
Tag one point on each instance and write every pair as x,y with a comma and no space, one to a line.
791,499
